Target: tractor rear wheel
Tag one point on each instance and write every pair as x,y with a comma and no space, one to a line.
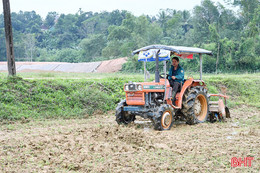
123,117
195,105
163,119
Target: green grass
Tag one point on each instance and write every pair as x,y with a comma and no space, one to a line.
86,76
42,98
66,95
242,89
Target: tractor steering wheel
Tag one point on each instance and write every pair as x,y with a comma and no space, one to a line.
162,76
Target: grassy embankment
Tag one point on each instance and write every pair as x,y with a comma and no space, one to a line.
51,95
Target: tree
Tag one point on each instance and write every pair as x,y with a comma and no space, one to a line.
204,16
92,46
51,19
116,17
68,55
118,33
97,36
66,31
129,22
2,45
162,20
24,21
30,45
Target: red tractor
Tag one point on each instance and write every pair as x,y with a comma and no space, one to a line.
153,100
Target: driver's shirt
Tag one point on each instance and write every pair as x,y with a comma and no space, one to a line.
178,73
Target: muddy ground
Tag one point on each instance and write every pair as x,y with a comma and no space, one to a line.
98,144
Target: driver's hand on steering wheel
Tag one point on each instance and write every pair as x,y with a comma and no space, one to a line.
173,77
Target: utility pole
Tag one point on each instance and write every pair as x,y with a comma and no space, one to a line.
9,38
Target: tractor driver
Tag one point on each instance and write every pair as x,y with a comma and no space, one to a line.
176,76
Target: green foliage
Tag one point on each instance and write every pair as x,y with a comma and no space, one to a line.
132,65
26,22
242,89
68,55
63,55
118,33
57,98
50,19
87,36
23,99
92,46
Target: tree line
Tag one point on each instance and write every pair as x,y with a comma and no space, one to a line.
233,36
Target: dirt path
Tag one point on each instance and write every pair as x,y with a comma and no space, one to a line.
98,144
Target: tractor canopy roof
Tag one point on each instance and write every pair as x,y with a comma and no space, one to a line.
148,53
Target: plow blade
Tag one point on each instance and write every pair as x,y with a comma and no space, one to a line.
218,111
227,112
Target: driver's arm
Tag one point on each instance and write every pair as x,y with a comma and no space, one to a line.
180,74
170,73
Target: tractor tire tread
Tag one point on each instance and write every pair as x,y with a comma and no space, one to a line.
189,101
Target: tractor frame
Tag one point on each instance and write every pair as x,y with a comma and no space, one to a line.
153,100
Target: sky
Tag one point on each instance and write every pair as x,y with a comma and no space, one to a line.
137,7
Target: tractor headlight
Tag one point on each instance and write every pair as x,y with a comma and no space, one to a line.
133,87
139,87
126,87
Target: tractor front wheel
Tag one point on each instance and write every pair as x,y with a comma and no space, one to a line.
123,117
163,119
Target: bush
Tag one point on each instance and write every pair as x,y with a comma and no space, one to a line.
57,98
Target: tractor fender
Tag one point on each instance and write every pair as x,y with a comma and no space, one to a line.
162,108
120,106
187,84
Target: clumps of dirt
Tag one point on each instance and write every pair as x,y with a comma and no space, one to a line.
98,144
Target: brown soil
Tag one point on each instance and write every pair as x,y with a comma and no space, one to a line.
110,66
98,144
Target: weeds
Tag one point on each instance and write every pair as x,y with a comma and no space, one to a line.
42,98
56,98
241,90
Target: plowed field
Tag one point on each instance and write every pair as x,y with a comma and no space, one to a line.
98,144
